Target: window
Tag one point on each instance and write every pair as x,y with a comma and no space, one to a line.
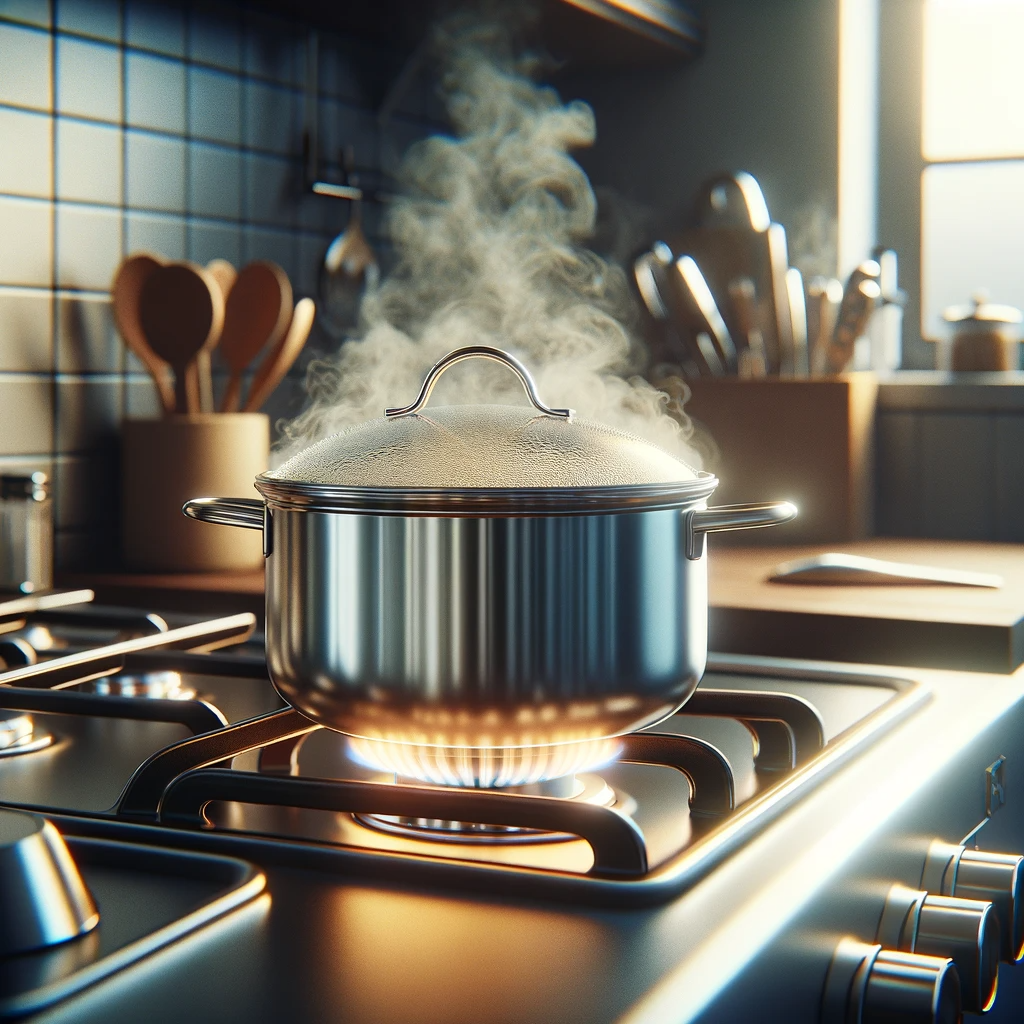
972,146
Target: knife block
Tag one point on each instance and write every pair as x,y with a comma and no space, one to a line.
166,462
809,441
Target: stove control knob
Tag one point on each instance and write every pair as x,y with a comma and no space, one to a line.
966,931
43,897
870,985
979,875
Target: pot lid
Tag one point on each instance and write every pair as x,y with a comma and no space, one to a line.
981,310
460,453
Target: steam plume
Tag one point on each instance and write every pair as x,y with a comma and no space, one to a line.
489,240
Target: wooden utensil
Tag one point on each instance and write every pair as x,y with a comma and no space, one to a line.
125,296
182,314
279,361
224,274
257,314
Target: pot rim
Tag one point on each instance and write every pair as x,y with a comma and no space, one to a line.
472,501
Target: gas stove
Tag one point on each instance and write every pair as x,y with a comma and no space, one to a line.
770,844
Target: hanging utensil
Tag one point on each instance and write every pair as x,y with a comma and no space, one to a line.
125,296
349,270
182,312
279,361
256,315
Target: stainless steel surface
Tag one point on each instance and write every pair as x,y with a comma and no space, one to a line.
965,930
477,352
43,898
839,569
955,870
26,534
870,985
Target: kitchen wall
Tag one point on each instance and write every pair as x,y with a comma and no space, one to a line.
169,127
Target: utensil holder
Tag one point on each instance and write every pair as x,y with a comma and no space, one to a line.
808,441
166,462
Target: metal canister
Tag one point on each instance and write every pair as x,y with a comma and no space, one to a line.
26,533
986,336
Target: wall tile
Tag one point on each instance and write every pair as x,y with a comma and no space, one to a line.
273,118
308,257
157,233
156,93
82,550
343,126
140,398
88,79
215,181
88,413
26,330
270,47
215,106
31,223
156,172
216,36
27,404
100,18
25,164
269,189
26,60
213,241
86,490
88,162
87,341
155,26
32,12
277,246
88,246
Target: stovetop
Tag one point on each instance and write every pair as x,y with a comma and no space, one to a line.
397,928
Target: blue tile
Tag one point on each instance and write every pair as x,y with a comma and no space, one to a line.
270,47
87,341
339,60
89,162
32,12
26,330
88,413
277,246
31,222
88,246
215,181
308,257
213,241
343,126
88,79
141,401
215,106
99,18
157,233
26,61
155,26
273,118
156,172
270,187
216,36
156,93
27,151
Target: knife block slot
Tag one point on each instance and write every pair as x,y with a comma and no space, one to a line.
809,441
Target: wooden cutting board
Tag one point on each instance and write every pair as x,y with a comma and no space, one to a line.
929,626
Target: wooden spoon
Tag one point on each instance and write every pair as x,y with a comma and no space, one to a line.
125,294
224,274
182,314
257,314
279,361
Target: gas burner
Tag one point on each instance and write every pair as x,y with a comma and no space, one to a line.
151,685
19,734
588,789
504,768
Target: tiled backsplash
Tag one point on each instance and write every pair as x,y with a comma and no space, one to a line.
175,128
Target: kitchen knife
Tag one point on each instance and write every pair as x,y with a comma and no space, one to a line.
706,318
798,317
824,295
860,299
838,569
648,275
751,361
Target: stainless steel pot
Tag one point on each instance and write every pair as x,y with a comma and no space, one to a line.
486,627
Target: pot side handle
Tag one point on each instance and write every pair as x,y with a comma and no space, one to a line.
733,517
244,512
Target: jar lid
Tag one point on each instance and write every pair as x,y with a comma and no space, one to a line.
981,310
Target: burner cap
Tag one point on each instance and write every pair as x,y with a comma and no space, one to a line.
18,734
43,896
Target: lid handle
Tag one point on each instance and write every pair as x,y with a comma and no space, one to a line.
483,352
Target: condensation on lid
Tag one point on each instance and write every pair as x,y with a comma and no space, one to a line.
483,446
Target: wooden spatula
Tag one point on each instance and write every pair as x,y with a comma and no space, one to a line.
278,361
257,314
125,294
224,273
182,314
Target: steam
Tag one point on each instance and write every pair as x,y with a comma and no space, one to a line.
489,240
